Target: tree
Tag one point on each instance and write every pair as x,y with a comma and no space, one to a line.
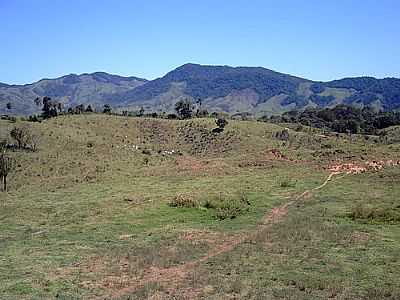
50,108
37,101
89,108
221,123
202,113
140,112
20,135
6,166
184,109
25,138
79,109
106,109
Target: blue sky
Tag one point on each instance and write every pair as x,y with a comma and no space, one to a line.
320,40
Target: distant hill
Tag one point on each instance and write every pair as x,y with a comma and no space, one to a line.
72,89
257,90
221,88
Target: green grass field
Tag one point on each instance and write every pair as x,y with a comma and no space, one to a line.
91,215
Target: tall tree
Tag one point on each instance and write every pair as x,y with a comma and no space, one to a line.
184,109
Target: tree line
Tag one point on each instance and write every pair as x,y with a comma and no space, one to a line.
341,118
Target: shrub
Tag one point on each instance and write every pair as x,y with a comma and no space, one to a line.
287,182
375,214
25,138
183,200
221,123
146,151
228,206
283,135
20,135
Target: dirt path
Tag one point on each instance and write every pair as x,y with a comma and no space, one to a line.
174,275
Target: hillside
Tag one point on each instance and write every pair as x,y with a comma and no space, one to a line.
71,90
256,90
112,207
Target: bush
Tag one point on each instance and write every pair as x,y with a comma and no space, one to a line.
183,200
283,135
25,138
375,214
146,151
228,206
287,183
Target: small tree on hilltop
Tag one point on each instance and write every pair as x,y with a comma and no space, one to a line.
106,109
221,123
140,113
6,166
184,109
50,108
89,109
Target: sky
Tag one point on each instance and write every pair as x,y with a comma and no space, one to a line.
318,40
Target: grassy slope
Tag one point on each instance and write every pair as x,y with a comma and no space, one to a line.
88,215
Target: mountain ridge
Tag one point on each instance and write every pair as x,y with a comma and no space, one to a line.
256,90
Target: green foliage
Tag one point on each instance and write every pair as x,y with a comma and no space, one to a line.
107,109
221,123
342,118
184,109
227,205
25,137
370,89
183,200
287,182
384,214
50,107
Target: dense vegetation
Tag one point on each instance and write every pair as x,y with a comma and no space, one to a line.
342,118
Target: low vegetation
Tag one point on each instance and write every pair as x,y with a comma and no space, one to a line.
118,207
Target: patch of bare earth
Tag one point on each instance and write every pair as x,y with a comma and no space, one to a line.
195,166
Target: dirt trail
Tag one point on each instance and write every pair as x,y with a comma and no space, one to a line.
174,275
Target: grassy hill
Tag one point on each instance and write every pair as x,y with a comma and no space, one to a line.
117,208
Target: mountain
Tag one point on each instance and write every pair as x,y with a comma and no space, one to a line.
257,90
221,88
72,89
